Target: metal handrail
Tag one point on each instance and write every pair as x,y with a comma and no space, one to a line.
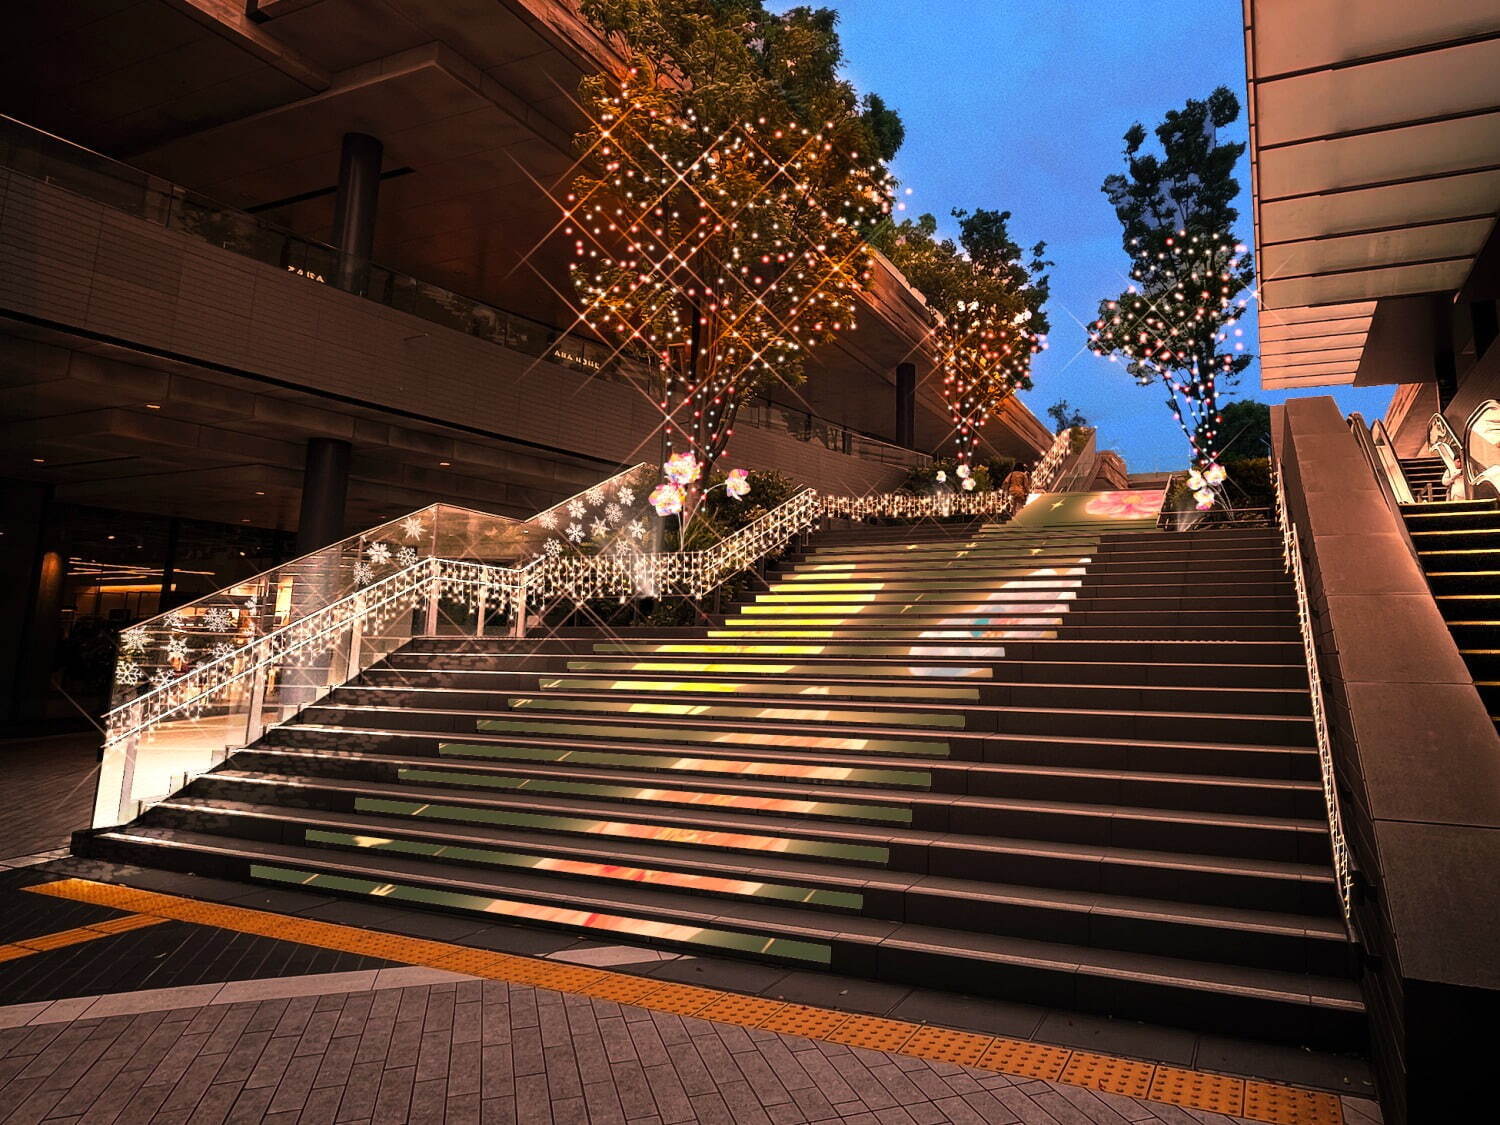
1343,862
1468,464
1048,470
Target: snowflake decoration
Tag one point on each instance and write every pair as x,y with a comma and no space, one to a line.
174,620
218,619
412,527
252,605
595,494
177,648
576,509
223,648
162,677
614,513
626,496
575,532
134,641
548,520
598,529
379,554
363,572
637,529
127,672
553,548
405,557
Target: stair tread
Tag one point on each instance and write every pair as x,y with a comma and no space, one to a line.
835,757
772,824
769,867
830,728
651,781
801,924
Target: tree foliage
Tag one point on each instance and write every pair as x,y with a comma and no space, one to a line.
726,188
1244,430
1174,324
991,297
1062,413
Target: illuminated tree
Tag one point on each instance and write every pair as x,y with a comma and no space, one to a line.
1175,325
719,215
991,304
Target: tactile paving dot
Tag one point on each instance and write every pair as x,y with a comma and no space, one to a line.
622,988
60,939
1193,1088
566,978
746,1011
1030,1060
1112,1075
1286,1105
961,1047
129,922
799,1019
873,1033
680,999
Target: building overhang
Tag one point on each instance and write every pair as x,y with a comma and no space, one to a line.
1375,165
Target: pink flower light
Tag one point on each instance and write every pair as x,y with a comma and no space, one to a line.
667,498
682,468
737,483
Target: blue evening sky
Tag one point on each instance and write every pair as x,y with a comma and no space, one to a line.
1020,105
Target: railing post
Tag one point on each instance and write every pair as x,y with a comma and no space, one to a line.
127,766
356,635
479,607
434,590
255,724
518,627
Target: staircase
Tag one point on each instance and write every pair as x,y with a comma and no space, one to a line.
1458,544
1057,765
1424,476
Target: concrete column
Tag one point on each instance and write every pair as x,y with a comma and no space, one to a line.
354,208
906,405
325,486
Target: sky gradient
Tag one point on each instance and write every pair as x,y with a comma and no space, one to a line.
1021,106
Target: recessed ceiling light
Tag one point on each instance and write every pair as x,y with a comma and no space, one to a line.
109,537
40,460
445,464
258,492
153,406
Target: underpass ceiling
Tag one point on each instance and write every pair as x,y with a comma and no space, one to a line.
1375,144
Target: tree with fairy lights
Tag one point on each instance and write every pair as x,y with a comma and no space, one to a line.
990,301
1176,323
720,213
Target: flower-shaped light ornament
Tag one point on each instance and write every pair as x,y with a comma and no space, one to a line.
681,469
963,471
737,483
968,485
667,498
942,476
1195,481
1205,498
1215,474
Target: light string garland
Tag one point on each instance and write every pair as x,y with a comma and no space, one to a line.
1177,323
728,253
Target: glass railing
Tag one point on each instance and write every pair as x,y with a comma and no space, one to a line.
198,681
1385,458
1482,452
1445,443
53,160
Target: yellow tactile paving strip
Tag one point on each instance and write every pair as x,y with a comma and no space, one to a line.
1217,1093
27,947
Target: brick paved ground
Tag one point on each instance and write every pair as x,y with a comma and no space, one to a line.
484,1051
48,791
